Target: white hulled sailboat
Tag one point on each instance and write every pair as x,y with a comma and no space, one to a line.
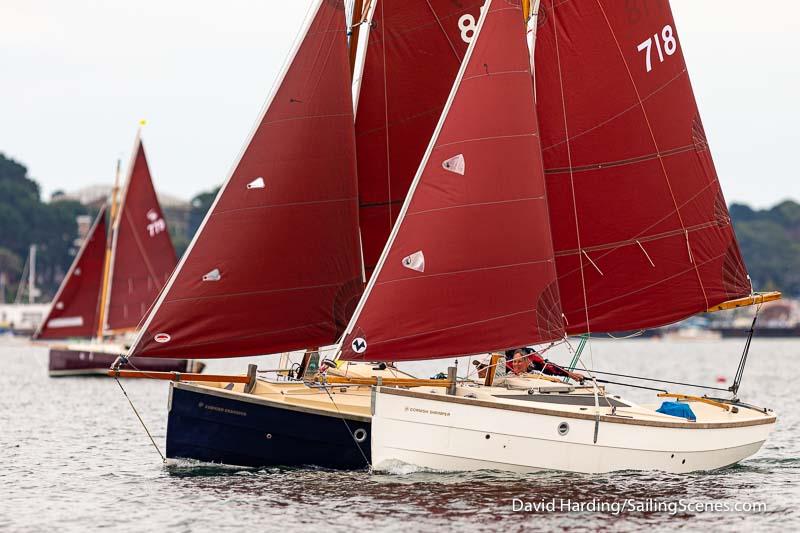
602,213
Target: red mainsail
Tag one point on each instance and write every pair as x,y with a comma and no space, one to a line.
75,306
469,266
142,253
276,264
641,230
413,53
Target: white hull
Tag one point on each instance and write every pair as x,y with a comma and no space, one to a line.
434,433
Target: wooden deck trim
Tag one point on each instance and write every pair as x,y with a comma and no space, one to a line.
254,399
768,418
689,398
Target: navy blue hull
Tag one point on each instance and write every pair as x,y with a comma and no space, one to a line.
221,429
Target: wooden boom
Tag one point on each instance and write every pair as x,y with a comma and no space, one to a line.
178,376
187,376
223,378
757,298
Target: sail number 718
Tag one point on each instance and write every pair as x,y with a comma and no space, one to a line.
667,37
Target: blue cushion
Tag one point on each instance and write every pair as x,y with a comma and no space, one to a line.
679,409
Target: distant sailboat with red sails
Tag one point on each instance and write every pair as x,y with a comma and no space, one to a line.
121,266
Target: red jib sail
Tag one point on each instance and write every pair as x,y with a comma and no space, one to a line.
413,53
142,254
75,307
276,264
469,266
641,230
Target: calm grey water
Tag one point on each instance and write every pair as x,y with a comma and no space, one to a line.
75,458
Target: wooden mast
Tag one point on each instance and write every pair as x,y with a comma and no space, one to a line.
107,264
358,17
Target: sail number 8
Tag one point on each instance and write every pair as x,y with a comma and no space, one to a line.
467,24
670,45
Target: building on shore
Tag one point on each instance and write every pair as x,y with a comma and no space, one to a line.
22,319
176,210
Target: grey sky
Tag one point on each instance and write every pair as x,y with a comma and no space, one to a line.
77,75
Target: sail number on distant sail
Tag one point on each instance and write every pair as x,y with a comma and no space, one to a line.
156,224
670,46
467,24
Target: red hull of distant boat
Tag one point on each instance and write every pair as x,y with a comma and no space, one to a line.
67,362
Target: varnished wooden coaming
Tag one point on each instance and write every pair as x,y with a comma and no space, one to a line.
768,418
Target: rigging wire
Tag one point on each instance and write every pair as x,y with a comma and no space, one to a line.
576,353
133,407
737,380
659,381
347,426
630,385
